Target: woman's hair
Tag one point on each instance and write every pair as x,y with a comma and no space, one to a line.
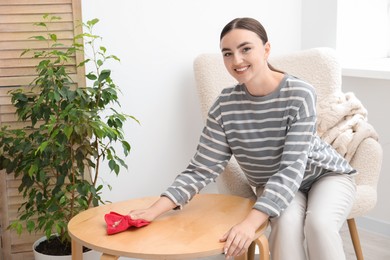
246,23
249,24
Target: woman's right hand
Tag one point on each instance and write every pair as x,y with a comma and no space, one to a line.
162,205
145,214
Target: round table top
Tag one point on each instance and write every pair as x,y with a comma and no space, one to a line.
191,232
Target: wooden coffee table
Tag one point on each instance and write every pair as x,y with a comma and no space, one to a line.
192,232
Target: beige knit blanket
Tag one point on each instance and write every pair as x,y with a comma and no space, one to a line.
342,122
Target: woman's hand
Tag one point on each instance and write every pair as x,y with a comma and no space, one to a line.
162,205
239,237
145,214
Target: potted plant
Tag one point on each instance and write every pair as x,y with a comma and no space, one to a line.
69,131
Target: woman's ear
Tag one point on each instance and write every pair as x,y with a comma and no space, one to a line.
267,50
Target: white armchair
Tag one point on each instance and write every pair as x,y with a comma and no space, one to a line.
321,68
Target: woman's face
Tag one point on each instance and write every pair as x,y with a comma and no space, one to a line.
244,54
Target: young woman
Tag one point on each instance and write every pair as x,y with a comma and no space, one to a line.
268,122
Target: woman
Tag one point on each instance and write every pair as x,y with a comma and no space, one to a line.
268,122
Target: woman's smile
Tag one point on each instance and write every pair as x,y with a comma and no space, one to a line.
241,70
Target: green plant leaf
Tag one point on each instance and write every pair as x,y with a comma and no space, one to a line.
117,169
25,51
104,75
83,62
48,231
40,24
53,18
92,22
57,44
113,57
30,226
126,147
63,200
53,36
68,130
91,76
17,226
112,165
33,170
39,38
42,147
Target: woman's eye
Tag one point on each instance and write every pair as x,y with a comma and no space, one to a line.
226,54
246,49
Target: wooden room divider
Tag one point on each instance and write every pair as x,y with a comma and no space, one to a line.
16,27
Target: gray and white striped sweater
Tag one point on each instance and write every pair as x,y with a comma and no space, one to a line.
273,138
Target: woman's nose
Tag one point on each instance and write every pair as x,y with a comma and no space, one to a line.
237,59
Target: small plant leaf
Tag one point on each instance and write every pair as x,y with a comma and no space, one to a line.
91,76
42,147
92,22
83,62
40,24
30,226
104,75
53,36
25,51
113,57
39,38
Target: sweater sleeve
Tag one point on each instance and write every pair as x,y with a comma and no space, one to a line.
281,188
210,159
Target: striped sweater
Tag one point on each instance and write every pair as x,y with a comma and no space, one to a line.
273,139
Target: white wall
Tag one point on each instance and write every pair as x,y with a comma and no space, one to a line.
157,42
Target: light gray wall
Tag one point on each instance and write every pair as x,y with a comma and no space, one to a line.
157,42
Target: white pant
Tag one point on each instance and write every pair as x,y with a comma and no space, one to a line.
314,218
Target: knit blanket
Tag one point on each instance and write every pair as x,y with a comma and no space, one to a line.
342,122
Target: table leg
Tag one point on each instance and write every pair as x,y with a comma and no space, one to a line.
262,242
108,257
77,251
251,251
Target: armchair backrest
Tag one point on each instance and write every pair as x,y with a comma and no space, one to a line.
318,66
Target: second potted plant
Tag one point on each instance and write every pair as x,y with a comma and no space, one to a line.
69,132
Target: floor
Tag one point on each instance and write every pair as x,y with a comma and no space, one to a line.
375,247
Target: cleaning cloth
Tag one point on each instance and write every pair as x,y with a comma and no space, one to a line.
117,223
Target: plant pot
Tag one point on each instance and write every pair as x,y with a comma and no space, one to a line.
90,255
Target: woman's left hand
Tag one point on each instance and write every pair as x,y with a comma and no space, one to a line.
239,237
